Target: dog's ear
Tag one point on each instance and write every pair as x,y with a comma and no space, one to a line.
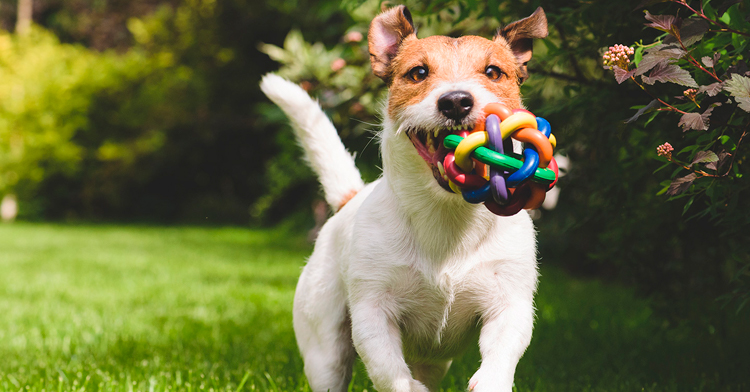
387,32
520,35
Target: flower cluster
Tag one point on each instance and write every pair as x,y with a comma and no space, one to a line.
618,55
690,94
353,36
665,150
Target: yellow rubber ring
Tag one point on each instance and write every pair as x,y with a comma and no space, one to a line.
466,147
552,140
516,121
454,187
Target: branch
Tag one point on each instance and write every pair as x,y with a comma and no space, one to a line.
669,107
702,15
736,148
695,62
690,169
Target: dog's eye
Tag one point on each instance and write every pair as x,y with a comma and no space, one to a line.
493,73
417,74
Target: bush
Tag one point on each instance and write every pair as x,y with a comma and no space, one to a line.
163,130
47,91
713,118
610,220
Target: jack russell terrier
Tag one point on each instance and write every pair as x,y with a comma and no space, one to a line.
406,273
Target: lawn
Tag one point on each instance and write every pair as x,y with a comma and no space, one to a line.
90,307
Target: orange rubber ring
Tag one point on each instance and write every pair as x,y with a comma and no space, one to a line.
542,144
538,193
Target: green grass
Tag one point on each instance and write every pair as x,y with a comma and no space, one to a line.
200,309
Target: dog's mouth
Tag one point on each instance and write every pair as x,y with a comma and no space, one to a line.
429,145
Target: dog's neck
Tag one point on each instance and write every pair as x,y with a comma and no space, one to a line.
444,225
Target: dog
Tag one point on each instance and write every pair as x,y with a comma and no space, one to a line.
406,273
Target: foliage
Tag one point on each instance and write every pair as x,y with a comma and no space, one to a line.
713,113
115,308
162,127
46,92
610,220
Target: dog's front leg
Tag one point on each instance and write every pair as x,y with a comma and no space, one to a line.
503,339
377,338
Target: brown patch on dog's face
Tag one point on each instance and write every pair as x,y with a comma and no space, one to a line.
439,85
423,66
446,59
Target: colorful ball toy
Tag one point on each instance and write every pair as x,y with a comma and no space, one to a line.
510,184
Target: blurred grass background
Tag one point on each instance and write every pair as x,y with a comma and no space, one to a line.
101,307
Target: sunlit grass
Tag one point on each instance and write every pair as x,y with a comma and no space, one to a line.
154,308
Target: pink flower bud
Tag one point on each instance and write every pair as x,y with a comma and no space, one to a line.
353,36
338,64
665,150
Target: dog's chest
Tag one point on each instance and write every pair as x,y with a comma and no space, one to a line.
439,317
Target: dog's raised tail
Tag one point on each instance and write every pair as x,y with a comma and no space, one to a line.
321,143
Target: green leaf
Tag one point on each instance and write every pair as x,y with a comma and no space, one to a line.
735,18
638,55
708,10
661,168
688,204
687,149
711,191
742,305
705,157
651,118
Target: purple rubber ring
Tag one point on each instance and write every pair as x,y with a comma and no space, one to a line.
498,189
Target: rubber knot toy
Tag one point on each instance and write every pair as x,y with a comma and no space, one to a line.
513,182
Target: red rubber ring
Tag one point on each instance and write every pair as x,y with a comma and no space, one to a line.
463,180
553,166
516,202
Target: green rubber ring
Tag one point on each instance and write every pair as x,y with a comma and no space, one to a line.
500,161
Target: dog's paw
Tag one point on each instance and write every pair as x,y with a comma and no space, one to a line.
488,380
409,385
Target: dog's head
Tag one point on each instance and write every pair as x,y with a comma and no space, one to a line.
439,85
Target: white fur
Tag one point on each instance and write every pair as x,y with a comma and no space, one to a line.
323,149
423,114
408,274
550,201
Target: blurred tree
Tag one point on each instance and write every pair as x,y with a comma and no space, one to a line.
23,21
177,137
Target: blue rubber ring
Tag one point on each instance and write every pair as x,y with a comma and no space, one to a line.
530,164
477,196
543,126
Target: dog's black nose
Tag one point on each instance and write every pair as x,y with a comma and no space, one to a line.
455,104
